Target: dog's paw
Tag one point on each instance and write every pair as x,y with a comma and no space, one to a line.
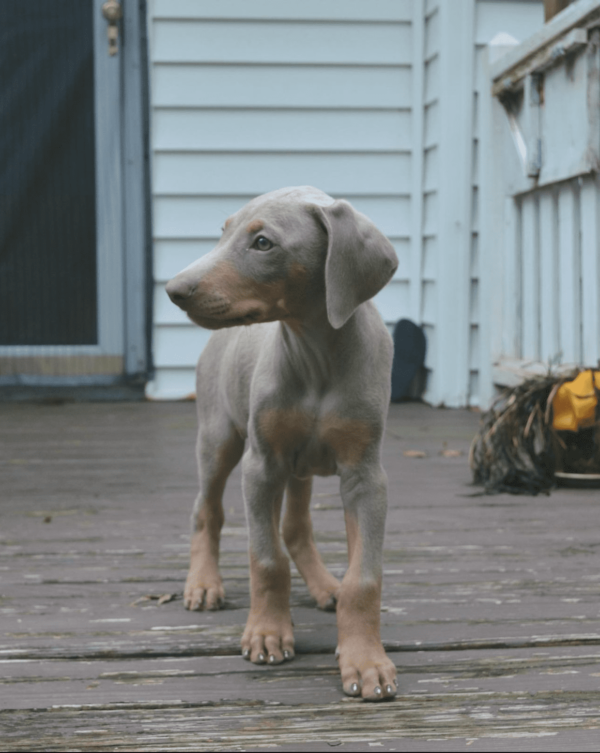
202,594
268,639
366,671
327,599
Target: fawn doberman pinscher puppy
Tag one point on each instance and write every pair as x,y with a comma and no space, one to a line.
305,390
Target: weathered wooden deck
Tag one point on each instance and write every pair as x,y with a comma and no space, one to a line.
490,606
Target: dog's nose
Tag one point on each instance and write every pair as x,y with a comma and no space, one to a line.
179,290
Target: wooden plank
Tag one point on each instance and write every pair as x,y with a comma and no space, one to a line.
233,41
549,310
569,294
453,702
489,603
512,283
590,271
530,275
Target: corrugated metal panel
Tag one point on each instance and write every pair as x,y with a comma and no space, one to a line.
250,97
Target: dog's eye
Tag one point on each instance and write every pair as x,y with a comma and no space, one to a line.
262,243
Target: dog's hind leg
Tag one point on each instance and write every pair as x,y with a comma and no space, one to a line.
218,454
300,543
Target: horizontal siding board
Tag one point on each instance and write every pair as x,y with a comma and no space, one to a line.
216,173
194,217
171,256
281,86
298,130
393,301
179,345
281,42
314,10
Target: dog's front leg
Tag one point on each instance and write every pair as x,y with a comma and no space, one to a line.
268,637
366,670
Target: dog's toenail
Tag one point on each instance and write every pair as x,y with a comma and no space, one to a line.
354,687
337,652
286,654
377,690
389,689
261,657
246,653
272,659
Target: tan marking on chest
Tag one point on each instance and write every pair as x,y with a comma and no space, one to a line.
348,437
293,430
285,430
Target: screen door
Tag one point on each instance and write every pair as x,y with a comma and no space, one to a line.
61,248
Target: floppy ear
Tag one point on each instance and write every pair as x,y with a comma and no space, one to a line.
360,260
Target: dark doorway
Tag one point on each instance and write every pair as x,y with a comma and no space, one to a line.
48,285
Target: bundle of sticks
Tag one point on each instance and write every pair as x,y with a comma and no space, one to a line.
517,450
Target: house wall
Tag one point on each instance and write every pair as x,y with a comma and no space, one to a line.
370,101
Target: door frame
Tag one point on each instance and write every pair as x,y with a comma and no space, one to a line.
122,355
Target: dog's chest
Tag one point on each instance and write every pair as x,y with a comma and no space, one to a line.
314,444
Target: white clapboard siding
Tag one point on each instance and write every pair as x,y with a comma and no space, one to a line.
373,101
250,97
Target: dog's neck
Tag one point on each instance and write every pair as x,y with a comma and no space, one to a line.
311,347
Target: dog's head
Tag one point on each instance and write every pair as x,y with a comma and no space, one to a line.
287,255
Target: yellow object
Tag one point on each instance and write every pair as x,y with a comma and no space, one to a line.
575,402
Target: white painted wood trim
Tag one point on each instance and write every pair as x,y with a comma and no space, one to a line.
457,53
417,114
580,13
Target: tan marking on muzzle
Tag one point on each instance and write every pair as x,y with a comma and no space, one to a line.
224,295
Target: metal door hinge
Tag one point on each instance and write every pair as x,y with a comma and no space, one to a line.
112,12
